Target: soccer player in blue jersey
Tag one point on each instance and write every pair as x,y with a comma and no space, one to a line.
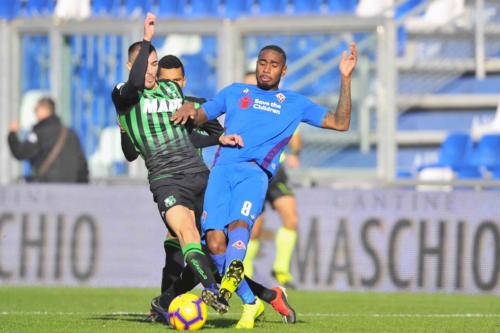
265,117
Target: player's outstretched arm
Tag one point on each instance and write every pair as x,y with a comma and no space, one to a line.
128,93
188,111
341,118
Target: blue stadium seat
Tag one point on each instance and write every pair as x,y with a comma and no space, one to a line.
468,172
209,46
487,152
105,7
307,6
197,72
404,174
272,7
170,8
495,173
236,8
453,153
203,8
31,7
120,168
342,7
454,149
19,8
7,10
138,7
36,7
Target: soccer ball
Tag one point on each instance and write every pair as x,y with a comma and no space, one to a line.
187,312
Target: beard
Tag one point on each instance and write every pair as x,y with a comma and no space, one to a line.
268,86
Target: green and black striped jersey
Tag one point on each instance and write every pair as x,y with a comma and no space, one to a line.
165,147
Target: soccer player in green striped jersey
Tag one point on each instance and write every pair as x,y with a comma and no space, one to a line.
176,173
175,281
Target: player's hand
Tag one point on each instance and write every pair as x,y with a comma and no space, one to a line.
184,113
231,140
14,127
293,161
149,26
348,61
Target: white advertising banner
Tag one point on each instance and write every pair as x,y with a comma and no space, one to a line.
396,240
80,235
378,240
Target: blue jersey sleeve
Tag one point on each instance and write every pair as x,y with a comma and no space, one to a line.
216,106
312,113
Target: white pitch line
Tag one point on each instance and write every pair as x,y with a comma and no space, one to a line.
337,315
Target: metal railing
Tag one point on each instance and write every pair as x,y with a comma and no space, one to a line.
382,37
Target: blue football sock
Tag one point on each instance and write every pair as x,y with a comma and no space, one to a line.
237,244
245,293
219,261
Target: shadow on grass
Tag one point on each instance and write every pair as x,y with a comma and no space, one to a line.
220,323
132,317
140,318
212,323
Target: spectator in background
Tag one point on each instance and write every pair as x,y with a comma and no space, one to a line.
53,150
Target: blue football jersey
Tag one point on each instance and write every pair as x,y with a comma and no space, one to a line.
265,119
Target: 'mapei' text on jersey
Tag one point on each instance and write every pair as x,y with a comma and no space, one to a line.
165,147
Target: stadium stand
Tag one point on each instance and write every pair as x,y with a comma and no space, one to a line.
169,8
438,92
453,151
236,8
107,160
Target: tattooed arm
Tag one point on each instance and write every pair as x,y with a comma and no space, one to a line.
340,119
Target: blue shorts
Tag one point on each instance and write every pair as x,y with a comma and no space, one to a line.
234,192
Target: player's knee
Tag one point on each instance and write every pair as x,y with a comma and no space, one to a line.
291,222
216,242
238,224
189,235
216,247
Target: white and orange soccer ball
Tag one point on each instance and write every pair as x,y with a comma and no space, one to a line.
187,312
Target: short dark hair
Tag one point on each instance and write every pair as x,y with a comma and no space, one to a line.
274,48
48,102
135,47
170,61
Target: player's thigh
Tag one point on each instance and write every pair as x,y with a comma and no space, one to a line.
181,220
167,194
279,187
176,202
286,206
216,202
257,227
199,196
248,194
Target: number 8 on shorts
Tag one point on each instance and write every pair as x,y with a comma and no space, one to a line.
245,210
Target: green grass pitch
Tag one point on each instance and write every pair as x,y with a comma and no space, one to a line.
30,309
